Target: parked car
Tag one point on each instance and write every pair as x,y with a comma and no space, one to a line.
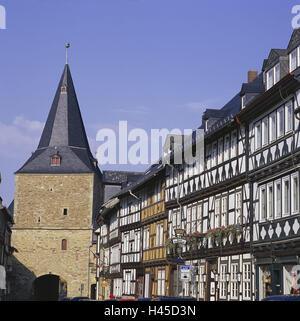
126,300
144,299
282,298
80,298
169,298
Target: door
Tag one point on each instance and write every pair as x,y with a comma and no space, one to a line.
277,280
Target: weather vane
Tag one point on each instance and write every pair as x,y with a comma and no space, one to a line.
67,47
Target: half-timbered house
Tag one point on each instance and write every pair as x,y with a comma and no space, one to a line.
274,155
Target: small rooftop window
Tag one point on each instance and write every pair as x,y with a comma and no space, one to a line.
55,160
63,89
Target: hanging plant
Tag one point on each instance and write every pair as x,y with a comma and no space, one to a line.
170,246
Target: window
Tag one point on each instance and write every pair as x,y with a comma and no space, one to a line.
263,203
161,277
188,220
288,116
214,155
146,239
286,196
270,201
270,79
223,283
293,60
265,131
199,218
273,76
64,245
272,126
278,199
247,281
258,135
226,148
295,193
224,211
65,211
63,89
55,160
234,281
201,283
233,144
238,205
220,151
194,219
159,234
280,122
217,213
243,101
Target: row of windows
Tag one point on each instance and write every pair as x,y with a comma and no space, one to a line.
192,217
274,126
159,237
280,198
216,153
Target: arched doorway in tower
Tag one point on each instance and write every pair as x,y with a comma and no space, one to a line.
49,287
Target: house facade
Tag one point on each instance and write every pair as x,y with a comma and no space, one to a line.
230,219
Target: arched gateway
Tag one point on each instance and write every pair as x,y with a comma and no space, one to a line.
49,287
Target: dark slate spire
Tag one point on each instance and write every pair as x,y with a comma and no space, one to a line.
64,126
64,134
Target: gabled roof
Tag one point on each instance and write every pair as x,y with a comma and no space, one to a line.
256,86
294,41
64,134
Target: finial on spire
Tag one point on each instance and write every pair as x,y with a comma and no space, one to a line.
67,47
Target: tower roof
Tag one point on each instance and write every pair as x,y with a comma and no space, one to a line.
64,134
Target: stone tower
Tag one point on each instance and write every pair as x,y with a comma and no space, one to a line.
58,192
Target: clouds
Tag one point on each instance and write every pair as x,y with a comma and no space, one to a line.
20,137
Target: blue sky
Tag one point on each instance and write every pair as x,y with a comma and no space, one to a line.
155,63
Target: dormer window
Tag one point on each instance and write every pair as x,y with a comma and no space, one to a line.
55,160
294,59
273,76
243,101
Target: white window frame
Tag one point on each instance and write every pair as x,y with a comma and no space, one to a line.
234,285
289,116
146,239
226,148
261,199
214,154
220,150
234,143
224,211
272,127
265,131
270,204
280,111
286,200
295,203
247,281
270,78
223,282
159,234
276,194
217,212
295,65
161,279
258,135
201,282
199,217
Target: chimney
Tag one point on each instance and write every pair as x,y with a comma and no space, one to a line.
252,74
